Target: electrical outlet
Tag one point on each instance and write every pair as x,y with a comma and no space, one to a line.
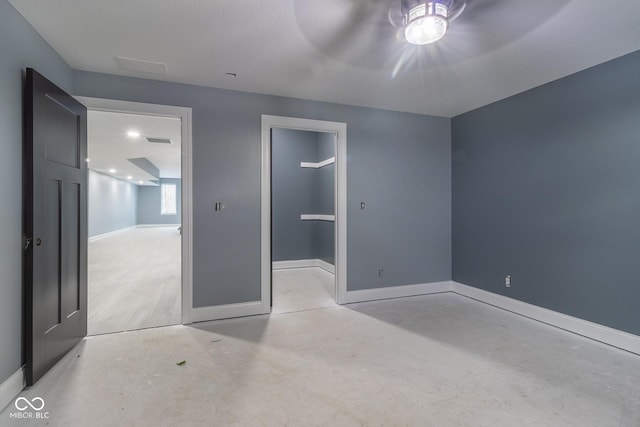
362,205
380,272
507,281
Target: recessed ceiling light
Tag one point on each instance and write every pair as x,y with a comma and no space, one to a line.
129,177
133,134
112,170
140,182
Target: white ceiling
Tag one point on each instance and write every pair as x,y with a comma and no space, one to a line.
342,51
109,146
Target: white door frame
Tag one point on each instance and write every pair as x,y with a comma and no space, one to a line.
340,200
184,114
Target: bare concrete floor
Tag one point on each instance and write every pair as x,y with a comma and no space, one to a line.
134,280
299,289
438,360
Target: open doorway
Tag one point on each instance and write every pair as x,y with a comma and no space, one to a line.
323,206
302,219
134,221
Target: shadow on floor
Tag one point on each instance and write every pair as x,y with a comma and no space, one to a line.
522,344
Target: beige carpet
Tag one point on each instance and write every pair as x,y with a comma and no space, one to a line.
134,280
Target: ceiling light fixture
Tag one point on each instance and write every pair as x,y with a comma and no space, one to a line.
133,134
425,21
112,171
129,177
140,182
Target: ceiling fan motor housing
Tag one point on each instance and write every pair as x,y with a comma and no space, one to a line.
425,21
414,9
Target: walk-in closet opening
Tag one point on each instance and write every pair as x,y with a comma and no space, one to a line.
302,219
303,214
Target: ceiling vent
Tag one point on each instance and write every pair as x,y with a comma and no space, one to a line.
159,140
140,66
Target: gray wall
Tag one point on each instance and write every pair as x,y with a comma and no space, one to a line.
296,190
325,230
399,163
149,204
20,47
113,204
546,188
293,192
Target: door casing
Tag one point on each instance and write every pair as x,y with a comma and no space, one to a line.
340,200
184,113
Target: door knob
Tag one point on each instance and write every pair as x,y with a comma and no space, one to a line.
38,241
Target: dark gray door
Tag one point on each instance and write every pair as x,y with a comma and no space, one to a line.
55,199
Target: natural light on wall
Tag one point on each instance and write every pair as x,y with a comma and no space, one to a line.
168,199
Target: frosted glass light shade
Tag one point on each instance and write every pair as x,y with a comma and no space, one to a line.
426,30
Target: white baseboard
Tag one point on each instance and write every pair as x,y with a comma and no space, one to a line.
326,266
597,332
204,314
111,233
604,334
303,263
296,263
157,225
397,291
11,387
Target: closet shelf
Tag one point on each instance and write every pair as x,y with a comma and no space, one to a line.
306,217
318,165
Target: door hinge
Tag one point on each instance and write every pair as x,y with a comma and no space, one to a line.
27,242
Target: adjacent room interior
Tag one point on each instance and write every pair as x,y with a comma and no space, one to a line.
134,252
